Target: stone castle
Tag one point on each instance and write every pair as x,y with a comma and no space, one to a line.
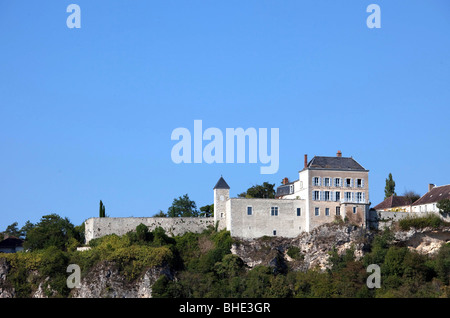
327,188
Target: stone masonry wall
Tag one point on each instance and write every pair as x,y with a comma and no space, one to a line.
98,227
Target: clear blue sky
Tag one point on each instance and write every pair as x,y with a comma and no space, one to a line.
87,114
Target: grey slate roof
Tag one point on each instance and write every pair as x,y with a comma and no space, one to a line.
221,184
338,163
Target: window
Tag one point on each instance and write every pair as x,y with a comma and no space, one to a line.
316,211
327,182
316,181
338,182
337,196
359,197
299,211
327,211
249,210
327,196
274,232
348,182
348,196
359,183
274,211
291,189
354,210
338,210
316,195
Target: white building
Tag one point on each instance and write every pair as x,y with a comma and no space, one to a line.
327,187
428,202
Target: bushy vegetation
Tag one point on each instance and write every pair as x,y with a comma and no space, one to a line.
431,220
204,266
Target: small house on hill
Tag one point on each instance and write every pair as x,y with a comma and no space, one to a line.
428,202
11,245
395,204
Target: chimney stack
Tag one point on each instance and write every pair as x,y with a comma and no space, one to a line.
430,186
285,181
306,161
339,154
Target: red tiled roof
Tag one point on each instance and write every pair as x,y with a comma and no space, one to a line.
392,202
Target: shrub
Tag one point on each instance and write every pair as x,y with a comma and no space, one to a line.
431,220
294,252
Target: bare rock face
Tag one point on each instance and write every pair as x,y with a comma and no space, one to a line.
314,247
424,241
6,291
105,281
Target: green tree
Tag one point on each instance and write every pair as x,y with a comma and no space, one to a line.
27,227
183,207
444,206
207,210
266,190
102,210
13,230
390,187
52,230
160,214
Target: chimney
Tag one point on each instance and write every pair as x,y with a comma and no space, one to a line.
430,186
285,181
339,154
306,161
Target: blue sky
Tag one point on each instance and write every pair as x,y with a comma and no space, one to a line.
87,114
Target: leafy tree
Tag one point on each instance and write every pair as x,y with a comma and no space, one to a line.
390,187
207,210
52,230
28,226
12,230
160,214
183,207
266,190
444,206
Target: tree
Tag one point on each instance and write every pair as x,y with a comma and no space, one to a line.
102,210
160,214
52,230
444,205
184,207
390,187
266,190
207,210
12,230
411,196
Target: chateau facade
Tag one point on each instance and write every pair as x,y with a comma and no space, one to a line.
327,187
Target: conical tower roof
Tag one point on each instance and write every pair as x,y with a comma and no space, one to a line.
221,184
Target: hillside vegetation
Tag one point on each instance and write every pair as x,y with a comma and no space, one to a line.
202,265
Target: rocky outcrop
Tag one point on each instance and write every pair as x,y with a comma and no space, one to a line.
6,290
424,241
313,247
105,281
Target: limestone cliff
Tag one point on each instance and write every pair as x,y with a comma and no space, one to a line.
304,252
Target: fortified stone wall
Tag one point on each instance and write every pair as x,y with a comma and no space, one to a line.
98,227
